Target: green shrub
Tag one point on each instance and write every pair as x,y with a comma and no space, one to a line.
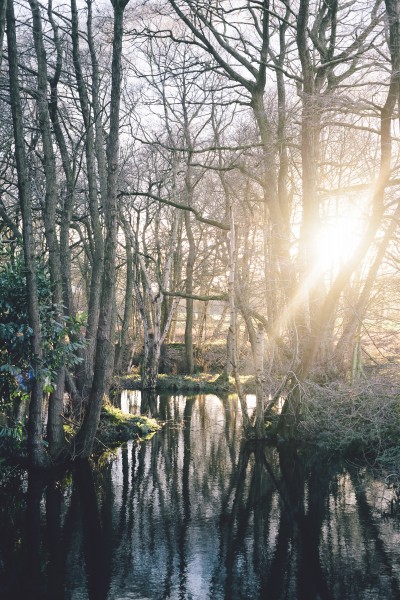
60,336
11,438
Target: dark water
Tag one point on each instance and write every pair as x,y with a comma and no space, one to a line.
194,513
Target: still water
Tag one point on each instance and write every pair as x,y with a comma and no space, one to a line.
195,513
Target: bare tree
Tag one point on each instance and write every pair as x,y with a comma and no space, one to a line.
35,426
104,358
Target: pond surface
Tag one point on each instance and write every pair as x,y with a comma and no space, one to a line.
194,513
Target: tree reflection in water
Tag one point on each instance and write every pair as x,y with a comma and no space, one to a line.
196,512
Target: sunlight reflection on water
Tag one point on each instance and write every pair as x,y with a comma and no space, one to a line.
199,513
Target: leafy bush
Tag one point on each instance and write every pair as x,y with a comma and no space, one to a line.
61,336
11,438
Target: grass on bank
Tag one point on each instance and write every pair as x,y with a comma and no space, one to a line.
115,428
199,383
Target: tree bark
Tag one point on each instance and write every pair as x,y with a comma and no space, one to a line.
37,455
3,6
120,363
189,354
104,358
55,430
85,373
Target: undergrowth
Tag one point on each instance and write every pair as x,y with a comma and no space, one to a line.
354,421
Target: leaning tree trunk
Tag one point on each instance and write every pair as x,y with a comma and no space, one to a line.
37,455
344,347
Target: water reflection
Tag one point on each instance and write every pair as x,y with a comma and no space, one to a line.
195,513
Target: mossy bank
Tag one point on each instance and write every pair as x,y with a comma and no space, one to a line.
203,383
115,428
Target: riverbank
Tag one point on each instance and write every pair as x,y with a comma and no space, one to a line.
115,428
202,383
353,420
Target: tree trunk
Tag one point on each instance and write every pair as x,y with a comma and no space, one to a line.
312,296
155,330
55,423
232,335
85,373
257,343
128,308
68,204
272,220
344,346
97,109
3,6
104,359
55,419
189,356
37,455
151,363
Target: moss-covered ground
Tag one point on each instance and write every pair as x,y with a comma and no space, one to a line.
116,427
205,383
